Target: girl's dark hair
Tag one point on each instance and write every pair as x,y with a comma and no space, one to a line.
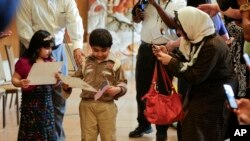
101,38
41,38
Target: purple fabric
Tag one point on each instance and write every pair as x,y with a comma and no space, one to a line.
219,25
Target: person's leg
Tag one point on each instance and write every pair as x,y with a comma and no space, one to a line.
58,101
59,110
179,131
161,134
60,55
143,75
89,126
106,119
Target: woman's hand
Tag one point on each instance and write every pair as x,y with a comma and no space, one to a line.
161,56
173,44
157,48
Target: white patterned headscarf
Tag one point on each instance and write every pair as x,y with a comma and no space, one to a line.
197,25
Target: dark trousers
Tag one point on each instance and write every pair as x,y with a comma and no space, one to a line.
143,75
182,89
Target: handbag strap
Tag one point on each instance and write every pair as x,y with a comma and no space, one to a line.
166,78
155,77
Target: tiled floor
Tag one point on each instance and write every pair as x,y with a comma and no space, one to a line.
126,119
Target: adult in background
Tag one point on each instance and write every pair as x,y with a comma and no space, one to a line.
236,25
236,9
154,31
219,28
206,65
54,16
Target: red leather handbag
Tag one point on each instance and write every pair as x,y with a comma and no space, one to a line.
163,109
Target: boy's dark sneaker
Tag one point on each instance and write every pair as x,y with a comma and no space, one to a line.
140,131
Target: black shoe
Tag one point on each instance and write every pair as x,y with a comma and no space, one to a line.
140,131
161,137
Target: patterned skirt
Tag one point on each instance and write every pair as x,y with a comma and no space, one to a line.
37,115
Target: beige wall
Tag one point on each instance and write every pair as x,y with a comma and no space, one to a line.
13,39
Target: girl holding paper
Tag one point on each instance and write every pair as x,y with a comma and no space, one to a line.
37,113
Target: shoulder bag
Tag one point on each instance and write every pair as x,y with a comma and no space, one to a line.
163,109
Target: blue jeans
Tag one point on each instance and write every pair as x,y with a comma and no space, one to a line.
59,102
60,55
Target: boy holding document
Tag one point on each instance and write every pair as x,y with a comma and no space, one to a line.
102,71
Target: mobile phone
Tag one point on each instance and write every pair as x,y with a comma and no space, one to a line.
142,4
230,96
246,58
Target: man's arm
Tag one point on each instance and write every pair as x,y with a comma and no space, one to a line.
232,13
24,22
75,29
166,17
246,25
245,18
213,9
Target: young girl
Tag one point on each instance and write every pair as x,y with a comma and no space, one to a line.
37,114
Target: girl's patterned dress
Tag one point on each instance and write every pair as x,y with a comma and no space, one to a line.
37,113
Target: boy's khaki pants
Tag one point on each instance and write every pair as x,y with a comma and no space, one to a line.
98,117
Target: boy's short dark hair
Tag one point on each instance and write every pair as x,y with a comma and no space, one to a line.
100,37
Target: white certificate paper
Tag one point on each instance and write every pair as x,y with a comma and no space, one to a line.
75,82
44,73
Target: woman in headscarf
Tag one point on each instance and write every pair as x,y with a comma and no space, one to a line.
203,61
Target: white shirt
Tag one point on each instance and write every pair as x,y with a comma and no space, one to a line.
53,16
152,23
